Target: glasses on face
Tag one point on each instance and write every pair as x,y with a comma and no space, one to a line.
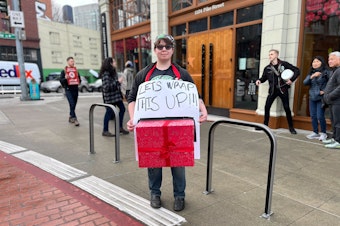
167,47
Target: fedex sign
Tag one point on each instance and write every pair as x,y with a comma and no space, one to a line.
10,73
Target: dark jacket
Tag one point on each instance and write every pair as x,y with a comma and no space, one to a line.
332,90
316,85
275,81
141,76
111,88
63,82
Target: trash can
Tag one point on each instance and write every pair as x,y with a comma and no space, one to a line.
34,90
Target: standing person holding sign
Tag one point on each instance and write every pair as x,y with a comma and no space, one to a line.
163,69
70,79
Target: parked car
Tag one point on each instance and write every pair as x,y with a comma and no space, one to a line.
84,85
96,86
53,84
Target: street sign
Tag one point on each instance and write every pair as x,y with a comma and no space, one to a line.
17,19
7,35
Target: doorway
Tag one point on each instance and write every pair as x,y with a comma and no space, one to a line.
210,63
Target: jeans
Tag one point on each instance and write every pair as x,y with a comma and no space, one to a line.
72,97
109,113
178,181
285,102
317,114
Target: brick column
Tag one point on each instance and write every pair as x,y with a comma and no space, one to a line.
280,30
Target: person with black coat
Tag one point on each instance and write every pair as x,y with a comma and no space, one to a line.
278,87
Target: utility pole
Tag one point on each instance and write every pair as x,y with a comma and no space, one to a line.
20,51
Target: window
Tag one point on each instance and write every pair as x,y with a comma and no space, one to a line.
93,43
129,12
56,57
180,4
250,13
79,58
77,41
248,45
178,30
94,59
320,37
222,20
54,38
198,25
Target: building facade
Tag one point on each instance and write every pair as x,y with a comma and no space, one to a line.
87,16
60,41
224,45
31,49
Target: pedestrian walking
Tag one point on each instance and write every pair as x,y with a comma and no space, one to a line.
111,90
163,69
278,86
129,77
317,79
70,79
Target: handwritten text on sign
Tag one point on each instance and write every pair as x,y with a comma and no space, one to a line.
168,98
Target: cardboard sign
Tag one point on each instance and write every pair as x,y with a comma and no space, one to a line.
169,99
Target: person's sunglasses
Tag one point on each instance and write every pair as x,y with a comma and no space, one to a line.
167,47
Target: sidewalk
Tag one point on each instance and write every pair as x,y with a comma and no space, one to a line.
306,182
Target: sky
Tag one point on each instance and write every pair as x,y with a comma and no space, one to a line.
74,2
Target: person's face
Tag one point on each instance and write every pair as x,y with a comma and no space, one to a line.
316,63
114,63
333,61
163,51
272,56
70,62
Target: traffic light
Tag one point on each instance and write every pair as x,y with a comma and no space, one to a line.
3,7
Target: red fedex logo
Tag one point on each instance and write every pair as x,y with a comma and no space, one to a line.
15,72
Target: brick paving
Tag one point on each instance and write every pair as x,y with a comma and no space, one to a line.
31,196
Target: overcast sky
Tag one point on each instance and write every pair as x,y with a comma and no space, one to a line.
74,2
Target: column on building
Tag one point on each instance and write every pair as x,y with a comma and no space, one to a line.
159,21
280,30
104,7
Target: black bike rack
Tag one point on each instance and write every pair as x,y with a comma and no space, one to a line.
272,158
116,113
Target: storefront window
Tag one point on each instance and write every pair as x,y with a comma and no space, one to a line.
118,53
321,36
180,4
222,20
127,13
250,13
247,66
198,25
131,49
178,30
146,48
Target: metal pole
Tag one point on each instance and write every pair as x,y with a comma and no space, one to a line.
20,56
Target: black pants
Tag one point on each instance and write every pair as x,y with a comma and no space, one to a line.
285,101
335,120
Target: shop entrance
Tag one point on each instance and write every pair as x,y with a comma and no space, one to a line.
210,63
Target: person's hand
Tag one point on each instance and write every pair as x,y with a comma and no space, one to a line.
258,82
316,74
322,92
130,126
203,117
289,82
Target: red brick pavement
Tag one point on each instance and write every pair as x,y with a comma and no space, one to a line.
31,196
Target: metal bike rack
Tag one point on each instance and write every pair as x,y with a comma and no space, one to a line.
272,158
117,151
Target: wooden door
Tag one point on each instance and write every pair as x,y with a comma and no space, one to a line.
210,64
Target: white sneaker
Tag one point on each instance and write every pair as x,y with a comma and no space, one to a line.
323,136
335,145
328,141
313,136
